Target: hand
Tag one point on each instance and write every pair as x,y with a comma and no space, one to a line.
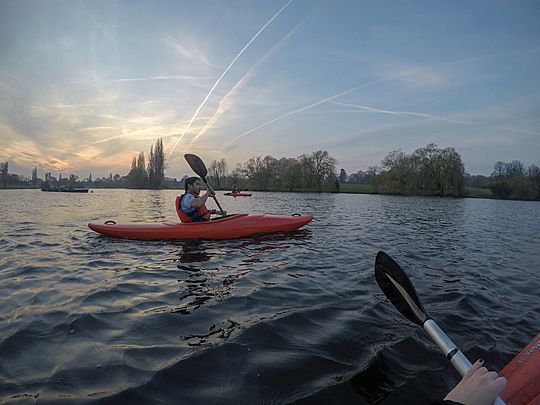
221,212
210,192
477,387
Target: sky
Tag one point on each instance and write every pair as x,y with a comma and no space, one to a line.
87,85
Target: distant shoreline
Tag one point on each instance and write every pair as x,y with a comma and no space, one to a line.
470,192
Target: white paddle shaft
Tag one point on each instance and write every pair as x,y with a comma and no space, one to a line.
451,351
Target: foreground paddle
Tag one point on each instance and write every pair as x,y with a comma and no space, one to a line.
197,165
397,287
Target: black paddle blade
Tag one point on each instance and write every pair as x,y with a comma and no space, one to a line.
196,164
397,287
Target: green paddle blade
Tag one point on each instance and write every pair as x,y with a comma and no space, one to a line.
196,164
397,287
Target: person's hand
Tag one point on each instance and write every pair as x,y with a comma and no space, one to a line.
222,212
210,192
477,387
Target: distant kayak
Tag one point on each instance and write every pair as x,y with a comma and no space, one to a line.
228,227
523,375
238,194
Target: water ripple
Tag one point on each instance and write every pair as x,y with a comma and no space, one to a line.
286,318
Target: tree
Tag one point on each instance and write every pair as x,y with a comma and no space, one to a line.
534,175
288,173
361,177
323,167
512,180
269,170
156,166
73,179
343,177
34,177
306,171
399,174
514,169
260,170
4,173
428,171
499,170
218,172
137,176
476,180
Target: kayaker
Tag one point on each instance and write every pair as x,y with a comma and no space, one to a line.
191,207
235,190
477,387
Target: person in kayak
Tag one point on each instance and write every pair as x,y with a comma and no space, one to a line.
191,207
235,190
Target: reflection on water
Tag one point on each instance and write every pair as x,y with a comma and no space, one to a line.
193,251
204,282
278,318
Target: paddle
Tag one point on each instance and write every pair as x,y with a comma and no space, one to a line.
397,287
197,165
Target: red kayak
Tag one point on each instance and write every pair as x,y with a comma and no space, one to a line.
228,227
238,194
523,375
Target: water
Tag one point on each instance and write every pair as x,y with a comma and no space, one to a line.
294,318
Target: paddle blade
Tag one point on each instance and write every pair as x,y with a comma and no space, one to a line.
196,164
397,287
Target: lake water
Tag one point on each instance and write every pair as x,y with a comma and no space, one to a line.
295,318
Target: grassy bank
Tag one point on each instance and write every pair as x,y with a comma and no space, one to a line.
356,188
477,192
473,192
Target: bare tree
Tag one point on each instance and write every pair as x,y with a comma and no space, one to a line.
324,167
218,171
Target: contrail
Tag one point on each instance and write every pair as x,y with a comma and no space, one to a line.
312,105
431,117
400,113
223,105
223,74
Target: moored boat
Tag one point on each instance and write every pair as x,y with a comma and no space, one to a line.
227,227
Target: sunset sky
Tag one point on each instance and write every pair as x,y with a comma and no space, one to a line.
87,85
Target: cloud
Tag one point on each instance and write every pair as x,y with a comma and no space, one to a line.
144,79
187,49
418,76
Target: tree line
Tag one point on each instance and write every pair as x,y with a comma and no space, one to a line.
434,171
429,170
513,180
140,175
308,172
